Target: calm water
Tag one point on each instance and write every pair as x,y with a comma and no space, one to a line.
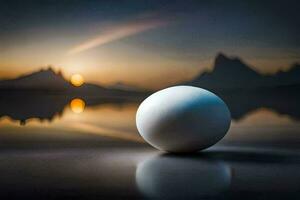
58,147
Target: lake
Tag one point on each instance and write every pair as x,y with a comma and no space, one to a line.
88,148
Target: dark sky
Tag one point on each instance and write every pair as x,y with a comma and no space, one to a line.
180,37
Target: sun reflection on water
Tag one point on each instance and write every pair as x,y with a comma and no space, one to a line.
77,105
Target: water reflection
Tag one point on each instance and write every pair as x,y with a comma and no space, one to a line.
169,177
220,175
22,108
77,105
243,102
47,107
108,117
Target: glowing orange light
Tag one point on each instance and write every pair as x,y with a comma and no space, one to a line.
77,80
77,105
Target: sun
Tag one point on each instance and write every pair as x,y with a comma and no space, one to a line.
77,80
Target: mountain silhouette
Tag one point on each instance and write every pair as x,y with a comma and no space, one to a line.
46,79
245,90
22,99
44,94
126,87
227,73
233,73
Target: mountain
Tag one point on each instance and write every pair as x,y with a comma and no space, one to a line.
227,73
233,73
46,79
125,87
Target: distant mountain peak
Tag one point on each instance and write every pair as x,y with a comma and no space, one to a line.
232,72
126,87
49,70
41,79
220,57
228,65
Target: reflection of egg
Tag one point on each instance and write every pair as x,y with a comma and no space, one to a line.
172,177
183,119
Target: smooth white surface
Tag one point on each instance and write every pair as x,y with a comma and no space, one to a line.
183,119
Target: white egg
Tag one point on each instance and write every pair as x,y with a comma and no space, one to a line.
183,119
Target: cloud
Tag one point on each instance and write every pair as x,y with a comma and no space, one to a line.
117,32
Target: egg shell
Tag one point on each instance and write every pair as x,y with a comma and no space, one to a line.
183,119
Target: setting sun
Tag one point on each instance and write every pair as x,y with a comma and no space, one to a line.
77,80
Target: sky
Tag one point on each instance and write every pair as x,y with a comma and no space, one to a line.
145,43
